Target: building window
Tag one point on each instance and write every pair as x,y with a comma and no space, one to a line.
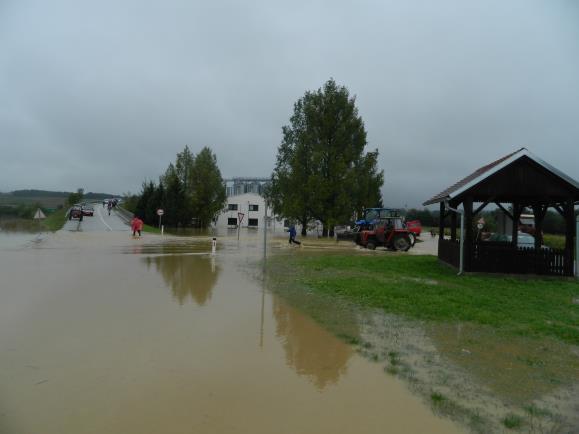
286,223
232,221
232,207
254,207
252,222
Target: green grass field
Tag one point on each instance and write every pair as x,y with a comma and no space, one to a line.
151,229
53,222
420,287
56,220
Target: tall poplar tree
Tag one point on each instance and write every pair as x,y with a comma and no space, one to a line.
207,188
176,209
321,169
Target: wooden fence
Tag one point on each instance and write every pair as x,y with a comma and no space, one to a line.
492,257
449,252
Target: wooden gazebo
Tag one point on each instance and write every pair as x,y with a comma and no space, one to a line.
513,183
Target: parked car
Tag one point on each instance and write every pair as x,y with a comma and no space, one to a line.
87,210
523,239
75,212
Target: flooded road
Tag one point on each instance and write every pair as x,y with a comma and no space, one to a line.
100,333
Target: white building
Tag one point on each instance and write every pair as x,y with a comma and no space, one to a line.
251,205
241,185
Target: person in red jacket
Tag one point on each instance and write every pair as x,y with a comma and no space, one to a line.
136,225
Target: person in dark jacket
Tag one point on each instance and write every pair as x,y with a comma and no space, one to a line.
292,235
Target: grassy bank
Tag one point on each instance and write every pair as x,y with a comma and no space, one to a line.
420,287
151,229
55,221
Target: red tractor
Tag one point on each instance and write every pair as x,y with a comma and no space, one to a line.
389,233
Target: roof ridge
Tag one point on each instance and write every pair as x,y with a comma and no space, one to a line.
493,166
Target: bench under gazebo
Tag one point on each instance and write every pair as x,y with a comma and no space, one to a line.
517,182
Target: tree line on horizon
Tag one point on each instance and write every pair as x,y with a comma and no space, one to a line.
48,193
191,192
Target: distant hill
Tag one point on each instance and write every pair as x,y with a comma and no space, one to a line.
38,193
46,198
47,193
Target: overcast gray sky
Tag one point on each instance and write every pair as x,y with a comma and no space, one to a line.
102,95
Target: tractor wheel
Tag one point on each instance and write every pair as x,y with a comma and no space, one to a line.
371,245
402,243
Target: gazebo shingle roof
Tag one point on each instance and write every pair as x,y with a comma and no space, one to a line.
489,169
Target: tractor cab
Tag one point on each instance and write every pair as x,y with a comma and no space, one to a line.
389,232
373,216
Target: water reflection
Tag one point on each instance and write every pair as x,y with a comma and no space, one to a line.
188,276
309,349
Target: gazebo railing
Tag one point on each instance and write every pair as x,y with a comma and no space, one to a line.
493,257
449,251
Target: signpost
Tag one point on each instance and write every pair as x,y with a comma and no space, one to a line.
265,231
240,216
39,215
160,213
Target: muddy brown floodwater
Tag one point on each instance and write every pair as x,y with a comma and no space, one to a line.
100,333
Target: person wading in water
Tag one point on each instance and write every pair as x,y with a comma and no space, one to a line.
136,225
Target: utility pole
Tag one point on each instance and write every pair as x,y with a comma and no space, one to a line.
265,231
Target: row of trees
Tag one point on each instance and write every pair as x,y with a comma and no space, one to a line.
191,192
322,172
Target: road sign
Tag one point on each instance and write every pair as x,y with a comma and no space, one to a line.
240,216
160,212
39,215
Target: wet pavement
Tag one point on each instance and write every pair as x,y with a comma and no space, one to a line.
101,221
102,333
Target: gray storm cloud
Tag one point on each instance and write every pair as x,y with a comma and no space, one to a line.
102,95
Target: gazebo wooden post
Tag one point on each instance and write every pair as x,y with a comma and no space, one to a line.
539,214
453,226
468,235
441,223
569,236
516,219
